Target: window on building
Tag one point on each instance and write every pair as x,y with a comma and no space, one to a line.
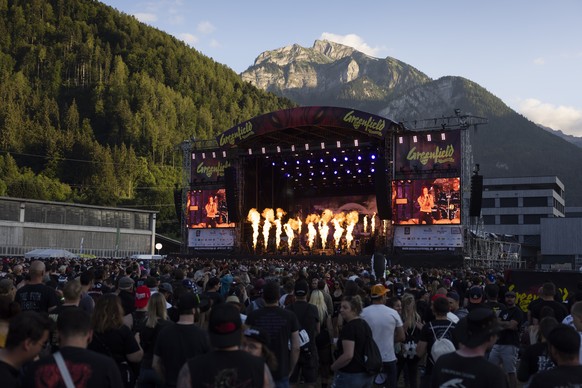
533,218
489,220
508,219
508,202
535,201
488,203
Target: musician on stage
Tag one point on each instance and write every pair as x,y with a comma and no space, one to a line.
426,202
211,212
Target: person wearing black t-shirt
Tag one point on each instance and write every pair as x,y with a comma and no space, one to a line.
547,299
564,347
27,334
88,369
467,367
35,295
535,357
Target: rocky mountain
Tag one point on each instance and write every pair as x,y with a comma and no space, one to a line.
333,74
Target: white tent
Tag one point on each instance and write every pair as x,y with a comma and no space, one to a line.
48,253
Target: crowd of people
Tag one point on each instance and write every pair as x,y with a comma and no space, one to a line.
200,322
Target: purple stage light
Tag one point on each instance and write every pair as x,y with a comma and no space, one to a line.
373,157
359,157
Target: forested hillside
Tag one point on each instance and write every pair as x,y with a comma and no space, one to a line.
93,105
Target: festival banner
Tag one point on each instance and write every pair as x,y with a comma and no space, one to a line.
211,238
428,237
427,154
369,124
207,169
526,284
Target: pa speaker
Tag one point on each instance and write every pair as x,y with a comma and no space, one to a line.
178,203
476,196
381,185
230,183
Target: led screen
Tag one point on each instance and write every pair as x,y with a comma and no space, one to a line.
207,209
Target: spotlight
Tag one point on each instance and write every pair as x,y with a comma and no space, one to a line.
356,142
250,151
346,158
414,139
278,149
306,147
285,163
429,137
308,161
321,160
263,150
373,157
298,162
400,140
322,145
359,157
372,170
293,148
224,154
443,137
273,163
204,155
335,173
334,159
214,154
339,144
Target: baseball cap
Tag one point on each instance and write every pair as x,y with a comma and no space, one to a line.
475,294
477,327
257,334
125,282
224,326
142,296
167,287
377,291
436,296
565,339
301,288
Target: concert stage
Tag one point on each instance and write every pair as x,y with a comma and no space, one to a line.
316,181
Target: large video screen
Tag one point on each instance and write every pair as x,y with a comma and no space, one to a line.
426,201
207,209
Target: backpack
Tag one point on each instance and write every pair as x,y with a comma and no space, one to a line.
372,356
441,345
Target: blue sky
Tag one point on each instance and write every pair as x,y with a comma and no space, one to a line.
526,52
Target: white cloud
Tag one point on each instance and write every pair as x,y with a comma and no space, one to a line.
189,39
540,61
351,40
214,43
146,17
205,27
565,118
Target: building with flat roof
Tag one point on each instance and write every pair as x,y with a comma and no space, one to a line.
516,206
27,224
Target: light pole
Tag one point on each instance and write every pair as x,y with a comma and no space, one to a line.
158,247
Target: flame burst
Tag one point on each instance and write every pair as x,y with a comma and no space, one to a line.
269,216
278,224
365,223
338,220
254,217
373,227
352,220
323,227
290,227
311,231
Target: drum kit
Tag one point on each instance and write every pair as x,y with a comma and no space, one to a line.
448,201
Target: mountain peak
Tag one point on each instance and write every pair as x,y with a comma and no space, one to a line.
333,50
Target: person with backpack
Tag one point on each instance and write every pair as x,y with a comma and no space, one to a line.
436,338
387,329
467,366
308,316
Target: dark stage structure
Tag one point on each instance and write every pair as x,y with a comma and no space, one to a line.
328,182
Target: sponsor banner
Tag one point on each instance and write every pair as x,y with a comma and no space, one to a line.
427,154
207,169
220,238
426,201
526,284
431,237
367,123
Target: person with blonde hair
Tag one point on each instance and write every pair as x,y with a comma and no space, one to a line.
324,338
407,358
156,320
112,338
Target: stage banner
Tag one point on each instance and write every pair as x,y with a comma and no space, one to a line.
427,154
219,238
526,284
367,123
428,237
208,169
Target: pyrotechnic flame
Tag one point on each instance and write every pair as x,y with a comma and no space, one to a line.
323,227
373,227
352,220
290,234
365,223
254,217
338,220
278,231
269,216
299,223
311,231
